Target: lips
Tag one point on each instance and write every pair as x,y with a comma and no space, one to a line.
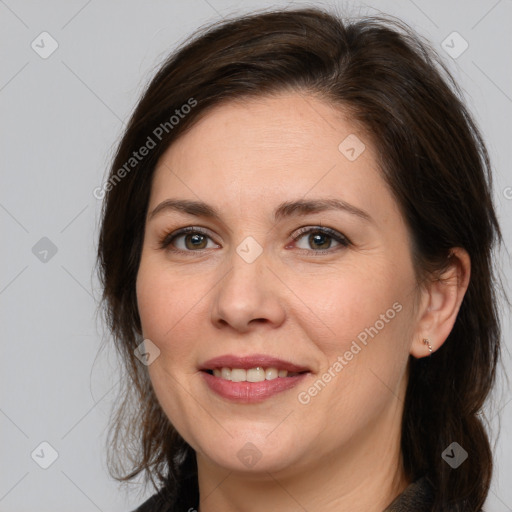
231,377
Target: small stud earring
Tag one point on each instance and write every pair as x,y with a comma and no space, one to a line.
427,342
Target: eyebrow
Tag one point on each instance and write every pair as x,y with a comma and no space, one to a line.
287,209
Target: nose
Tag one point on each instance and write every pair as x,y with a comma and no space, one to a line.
248,296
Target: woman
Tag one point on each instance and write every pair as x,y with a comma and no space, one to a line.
296,254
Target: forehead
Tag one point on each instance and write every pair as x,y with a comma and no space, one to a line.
255,152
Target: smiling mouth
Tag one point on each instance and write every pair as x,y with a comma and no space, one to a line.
256,374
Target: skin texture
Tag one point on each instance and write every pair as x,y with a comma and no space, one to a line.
293,302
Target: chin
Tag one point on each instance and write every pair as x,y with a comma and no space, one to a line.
252,452
250,460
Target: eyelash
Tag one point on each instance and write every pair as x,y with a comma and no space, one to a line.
166,241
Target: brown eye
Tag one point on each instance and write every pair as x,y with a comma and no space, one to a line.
196,241
319,239
188,240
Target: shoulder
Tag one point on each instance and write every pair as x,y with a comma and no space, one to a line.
156,503
174,498
417,497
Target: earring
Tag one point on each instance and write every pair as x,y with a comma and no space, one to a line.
427,342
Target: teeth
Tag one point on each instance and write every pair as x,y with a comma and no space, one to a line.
257,374
238,375
271,373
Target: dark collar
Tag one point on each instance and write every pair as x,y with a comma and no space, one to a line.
417,497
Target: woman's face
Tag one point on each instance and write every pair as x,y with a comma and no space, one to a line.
298,258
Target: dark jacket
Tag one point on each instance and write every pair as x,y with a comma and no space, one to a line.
417,497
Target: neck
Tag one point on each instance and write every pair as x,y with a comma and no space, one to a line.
365,475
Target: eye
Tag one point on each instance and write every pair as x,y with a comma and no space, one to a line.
195,239
189,239
319,239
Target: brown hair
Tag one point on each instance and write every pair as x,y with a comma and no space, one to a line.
431,155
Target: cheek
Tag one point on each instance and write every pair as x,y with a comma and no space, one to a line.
167,304
349,300
152,295
366,350
165,301
175,312
368,310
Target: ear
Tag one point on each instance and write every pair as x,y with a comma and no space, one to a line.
440,304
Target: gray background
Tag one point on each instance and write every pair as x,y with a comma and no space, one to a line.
61,117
